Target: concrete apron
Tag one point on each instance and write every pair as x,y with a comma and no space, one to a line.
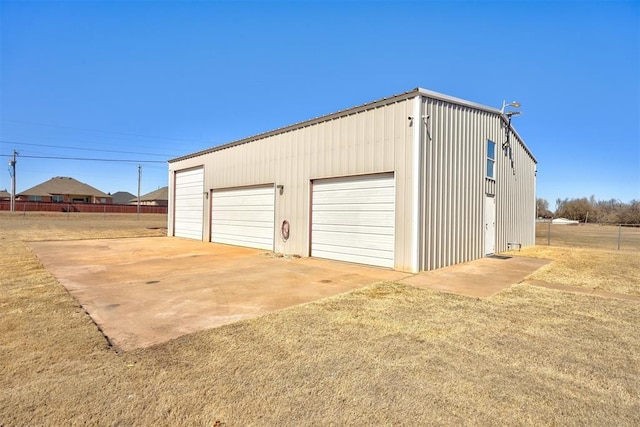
480,278
144,291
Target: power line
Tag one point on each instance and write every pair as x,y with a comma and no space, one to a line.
100,131
85,149
88,159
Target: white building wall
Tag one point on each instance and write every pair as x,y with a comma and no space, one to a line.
455,185
377,138
374,139
515,194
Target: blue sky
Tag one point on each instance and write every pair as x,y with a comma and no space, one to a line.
148,81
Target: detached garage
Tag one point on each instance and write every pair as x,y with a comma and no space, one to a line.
413,182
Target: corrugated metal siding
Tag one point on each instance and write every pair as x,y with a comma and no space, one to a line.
454,185
515,195
377,139
370,141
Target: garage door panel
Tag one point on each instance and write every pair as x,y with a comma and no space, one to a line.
188,214
332,197
343,228
249,222
353,183
243,217
243,207
382,260
353,219
373,241
370,218
352,206
251,240
248,200
246,229
189,203
348,251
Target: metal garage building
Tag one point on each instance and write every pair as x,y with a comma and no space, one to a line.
413,182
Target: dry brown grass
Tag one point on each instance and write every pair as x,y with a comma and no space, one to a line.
386,354
592,236
606,270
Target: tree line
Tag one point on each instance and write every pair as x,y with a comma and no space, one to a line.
591,210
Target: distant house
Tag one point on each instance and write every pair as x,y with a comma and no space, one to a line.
63,189
565,221
159,197
5,195
122,198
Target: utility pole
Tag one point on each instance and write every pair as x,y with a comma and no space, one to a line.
12,172
139,179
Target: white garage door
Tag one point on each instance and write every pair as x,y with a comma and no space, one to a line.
353,219
243,216
189,204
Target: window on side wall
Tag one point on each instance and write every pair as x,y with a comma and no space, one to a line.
57,199
491,159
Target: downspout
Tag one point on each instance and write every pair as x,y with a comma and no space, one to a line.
416,173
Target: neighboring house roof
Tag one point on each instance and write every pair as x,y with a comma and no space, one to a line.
122,197
61,185
159,194
4,194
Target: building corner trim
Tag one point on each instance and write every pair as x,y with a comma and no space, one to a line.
416,174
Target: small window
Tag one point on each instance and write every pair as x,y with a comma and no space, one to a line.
491,159
35,198
58,199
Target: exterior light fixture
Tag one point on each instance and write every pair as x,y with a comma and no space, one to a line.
514,104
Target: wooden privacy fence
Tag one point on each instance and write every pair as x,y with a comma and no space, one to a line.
24,206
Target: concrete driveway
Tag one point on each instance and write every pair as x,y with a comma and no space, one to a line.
145,291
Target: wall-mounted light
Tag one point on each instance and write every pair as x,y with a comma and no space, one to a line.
280,187
514,104
509,114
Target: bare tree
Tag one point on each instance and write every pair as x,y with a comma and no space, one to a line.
542,208
611,211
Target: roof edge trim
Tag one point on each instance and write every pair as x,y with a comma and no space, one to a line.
357,109
452,99
332,116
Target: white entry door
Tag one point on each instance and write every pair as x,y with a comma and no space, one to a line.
490,225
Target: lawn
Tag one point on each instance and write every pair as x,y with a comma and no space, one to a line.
385,354
594,236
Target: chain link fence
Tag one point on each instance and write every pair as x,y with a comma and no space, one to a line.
597,236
